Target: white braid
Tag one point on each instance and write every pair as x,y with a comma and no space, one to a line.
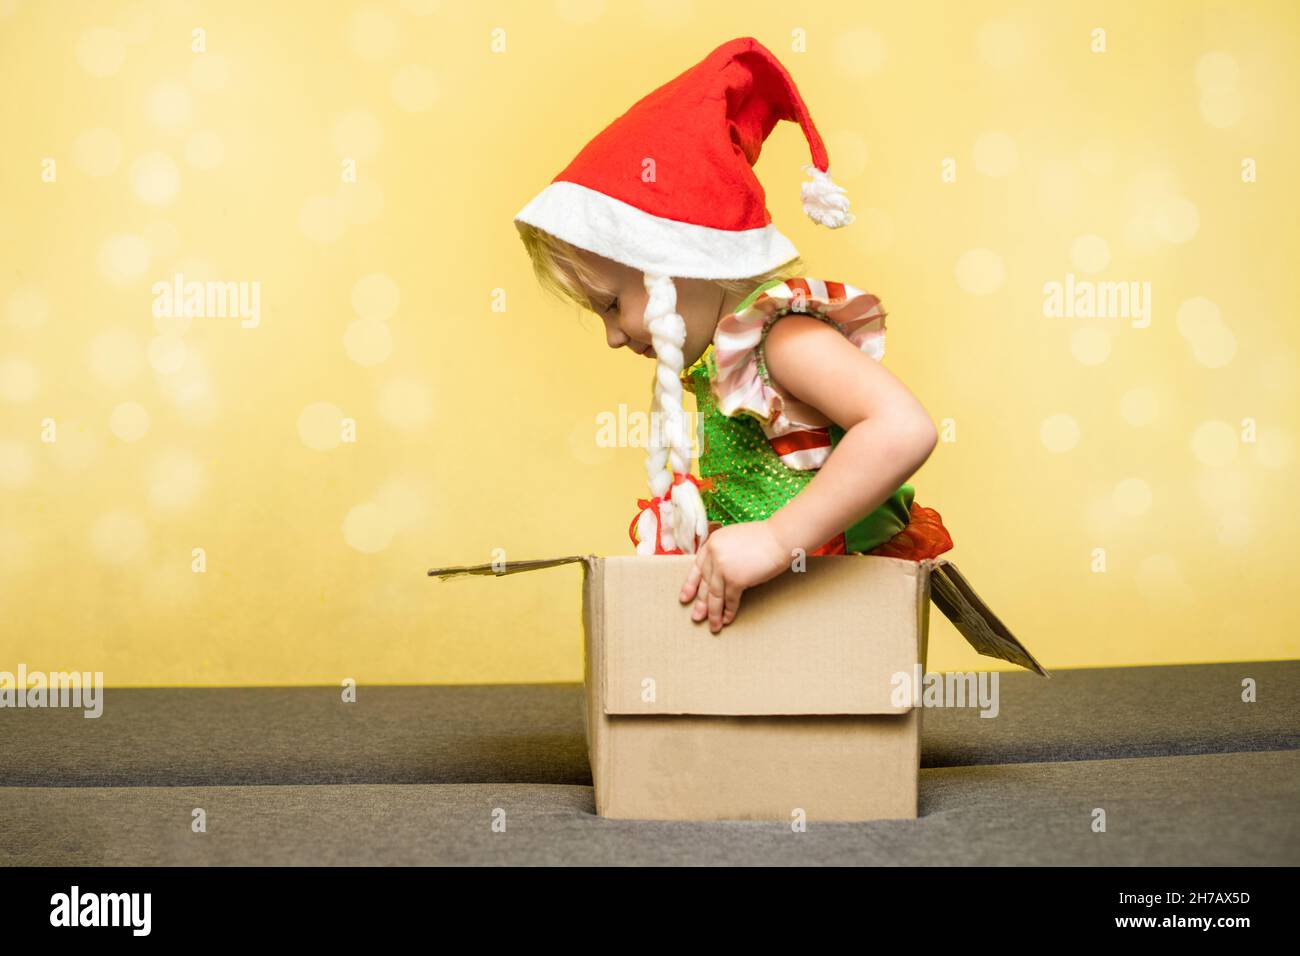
684,518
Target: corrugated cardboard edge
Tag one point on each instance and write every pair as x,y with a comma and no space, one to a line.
595,723
924,571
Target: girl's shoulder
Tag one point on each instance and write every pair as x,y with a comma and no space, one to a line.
735,362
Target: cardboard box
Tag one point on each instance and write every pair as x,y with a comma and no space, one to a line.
791,707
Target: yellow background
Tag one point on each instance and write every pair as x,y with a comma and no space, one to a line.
476,427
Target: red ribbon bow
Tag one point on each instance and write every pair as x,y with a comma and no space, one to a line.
654,503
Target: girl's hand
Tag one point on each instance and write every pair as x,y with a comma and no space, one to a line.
732,558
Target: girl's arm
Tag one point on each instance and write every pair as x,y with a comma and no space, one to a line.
887,437
888,434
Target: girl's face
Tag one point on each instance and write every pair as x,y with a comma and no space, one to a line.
700,303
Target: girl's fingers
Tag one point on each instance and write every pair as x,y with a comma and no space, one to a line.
692,583
717,595
731,605
701,573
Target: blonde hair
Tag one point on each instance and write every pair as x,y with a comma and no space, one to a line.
556,263
560,269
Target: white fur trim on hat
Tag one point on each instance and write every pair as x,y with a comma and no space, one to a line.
616,230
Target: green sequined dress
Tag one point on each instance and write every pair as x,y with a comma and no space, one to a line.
751,479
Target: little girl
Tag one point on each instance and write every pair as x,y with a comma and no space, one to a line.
660,227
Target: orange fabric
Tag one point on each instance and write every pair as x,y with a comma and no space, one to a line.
924,537
834,546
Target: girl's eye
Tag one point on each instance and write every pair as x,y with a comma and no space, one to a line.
611,307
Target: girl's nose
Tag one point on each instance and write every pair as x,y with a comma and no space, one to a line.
616,338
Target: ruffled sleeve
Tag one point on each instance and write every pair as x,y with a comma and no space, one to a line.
736,362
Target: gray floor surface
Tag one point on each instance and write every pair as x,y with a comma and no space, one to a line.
1186,772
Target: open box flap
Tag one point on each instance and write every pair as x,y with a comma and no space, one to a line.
949,591
952,594
498,568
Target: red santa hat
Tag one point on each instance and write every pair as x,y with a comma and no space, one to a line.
668,187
